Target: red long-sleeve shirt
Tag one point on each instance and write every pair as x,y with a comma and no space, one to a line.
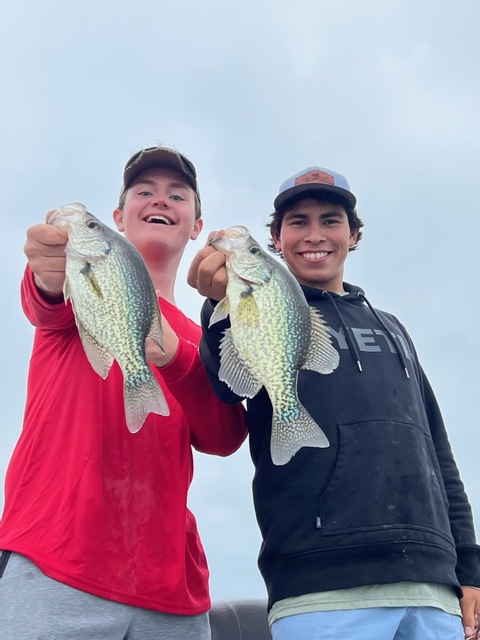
93,505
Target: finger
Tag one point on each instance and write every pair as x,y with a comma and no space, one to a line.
211,269
192,275
469,604
212,277
46,234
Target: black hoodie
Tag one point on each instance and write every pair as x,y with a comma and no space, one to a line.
385,502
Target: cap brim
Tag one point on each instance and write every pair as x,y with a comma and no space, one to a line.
311,186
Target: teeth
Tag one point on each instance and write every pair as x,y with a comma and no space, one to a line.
157,219
315,256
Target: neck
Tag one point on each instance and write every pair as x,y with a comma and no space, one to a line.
164,275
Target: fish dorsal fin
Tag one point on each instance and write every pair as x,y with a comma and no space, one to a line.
322,356
220,312
100,360
233,372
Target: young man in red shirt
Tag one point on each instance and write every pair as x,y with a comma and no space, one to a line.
96,535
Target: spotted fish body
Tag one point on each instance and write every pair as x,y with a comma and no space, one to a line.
115,307
273,334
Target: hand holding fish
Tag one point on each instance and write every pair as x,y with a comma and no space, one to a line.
45,251
207,272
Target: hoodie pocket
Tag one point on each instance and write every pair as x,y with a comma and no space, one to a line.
386,477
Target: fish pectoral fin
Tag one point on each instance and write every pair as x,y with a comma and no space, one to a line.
233,370
322,356
247,311
221,311
92,281
289,437
99,358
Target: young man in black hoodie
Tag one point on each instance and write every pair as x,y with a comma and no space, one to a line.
373,536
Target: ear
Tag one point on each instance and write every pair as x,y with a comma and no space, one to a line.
118,218
197,227
276,239
353,239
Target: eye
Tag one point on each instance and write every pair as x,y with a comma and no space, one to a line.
92,224
145,193
254,250
177,197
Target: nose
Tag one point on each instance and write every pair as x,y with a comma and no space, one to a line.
315,234
160,200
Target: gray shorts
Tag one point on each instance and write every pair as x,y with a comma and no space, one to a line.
36,607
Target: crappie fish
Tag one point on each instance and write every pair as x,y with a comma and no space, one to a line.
273,334
115,307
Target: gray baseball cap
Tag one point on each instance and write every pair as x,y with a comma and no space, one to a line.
313,178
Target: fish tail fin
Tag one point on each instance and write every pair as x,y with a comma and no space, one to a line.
289,436
142,400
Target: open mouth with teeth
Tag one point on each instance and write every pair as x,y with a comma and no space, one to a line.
314,255
158,219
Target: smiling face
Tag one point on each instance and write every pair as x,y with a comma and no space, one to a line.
159,209
315,239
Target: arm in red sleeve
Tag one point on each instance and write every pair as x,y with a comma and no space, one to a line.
216,427
39,312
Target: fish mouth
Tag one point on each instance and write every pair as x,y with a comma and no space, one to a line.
235,236
62,217
216,235
52,217
158,218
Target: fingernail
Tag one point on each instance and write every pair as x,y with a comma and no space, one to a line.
468,632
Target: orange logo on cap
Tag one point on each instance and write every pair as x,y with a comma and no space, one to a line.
315,176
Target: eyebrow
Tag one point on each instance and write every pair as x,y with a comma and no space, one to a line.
326,214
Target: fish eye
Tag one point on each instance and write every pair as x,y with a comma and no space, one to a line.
254,250
92,224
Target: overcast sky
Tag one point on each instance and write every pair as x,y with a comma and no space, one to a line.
384,91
